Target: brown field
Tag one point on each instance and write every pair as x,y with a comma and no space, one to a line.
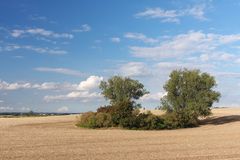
57,138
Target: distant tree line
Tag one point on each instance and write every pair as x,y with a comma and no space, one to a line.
30,114
190,95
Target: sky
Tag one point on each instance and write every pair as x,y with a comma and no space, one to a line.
54,54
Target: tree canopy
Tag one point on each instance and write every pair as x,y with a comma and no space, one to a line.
118,89
190,94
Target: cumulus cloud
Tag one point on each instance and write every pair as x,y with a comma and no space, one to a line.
62,109
90,83
86,91
140,37
13,86
54,86
83,28
40,86
16,33
153,96
193,42
197,12
83,96
65,71
134,69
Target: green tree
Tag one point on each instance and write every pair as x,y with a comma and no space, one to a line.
122,92
190,95
122,89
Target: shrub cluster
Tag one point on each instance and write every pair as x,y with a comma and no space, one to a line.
123,115
190,95
95,120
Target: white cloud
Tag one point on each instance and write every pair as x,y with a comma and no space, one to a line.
12,47
41,19
25,109
62,109
237,60
218,56
83,28
134,69
86,91
193,42
65,71
169,66
2,109
141,37
1,101
227,74
90,84
39,32
42,86
47,86
83,96
13,86
115,39
17,33
153,96
197,11
159,13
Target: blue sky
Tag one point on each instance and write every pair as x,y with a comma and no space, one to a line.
53,54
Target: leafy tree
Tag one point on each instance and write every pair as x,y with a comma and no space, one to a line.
118,89
122,93
190,94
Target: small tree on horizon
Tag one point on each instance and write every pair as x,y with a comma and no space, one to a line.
122,89
190,95
122,92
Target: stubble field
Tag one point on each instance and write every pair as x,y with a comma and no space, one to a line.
57,138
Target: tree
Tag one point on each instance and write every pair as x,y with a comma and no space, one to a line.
190,95
122,93
122,89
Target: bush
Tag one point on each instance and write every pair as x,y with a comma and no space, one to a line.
148,121
143,121
135,120
103,120
95,120
87,120
170,121
106,109
122,113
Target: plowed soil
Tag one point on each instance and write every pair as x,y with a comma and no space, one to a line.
57,138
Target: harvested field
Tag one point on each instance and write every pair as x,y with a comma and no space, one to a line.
57,138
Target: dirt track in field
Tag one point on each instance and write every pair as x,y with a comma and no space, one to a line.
57,138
